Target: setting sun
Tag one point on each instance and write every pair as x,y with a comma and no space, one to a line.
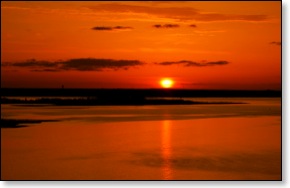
166,83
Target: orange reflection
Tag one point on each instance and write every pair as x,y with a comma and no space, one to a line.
166,150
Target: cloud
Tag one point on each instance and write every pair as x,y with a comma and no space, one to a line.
30,63
87,64
166,26
276,43
192,25
102,28
187,63
80,64
176,13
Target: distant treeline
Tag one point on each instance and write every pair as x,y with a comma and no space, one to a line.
121,93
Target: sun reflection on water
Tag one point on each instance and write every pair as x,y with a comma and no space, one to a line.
166,150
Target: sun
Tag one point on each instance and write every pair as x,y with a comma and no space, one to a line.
166,83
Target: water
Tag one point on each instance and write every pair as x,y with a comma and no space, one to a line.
189,142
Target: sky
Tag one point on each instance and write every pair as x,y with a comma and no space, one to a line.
198,45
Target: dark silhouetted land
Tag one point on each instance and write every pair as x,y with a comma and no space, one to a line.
124,96
18,123
105,101
121,93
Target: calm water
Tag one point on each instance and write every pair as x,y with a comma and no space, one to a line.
192,142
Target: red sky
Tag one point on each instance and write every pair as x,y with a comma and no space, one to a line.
200,45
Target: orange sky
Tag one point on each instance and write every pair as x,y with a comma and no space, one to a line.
200,45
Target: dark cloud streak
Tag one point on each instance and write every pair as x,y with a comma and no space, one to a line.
276,43
192,25
166,26
93,64
187,63
80,64
102,28
33,63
